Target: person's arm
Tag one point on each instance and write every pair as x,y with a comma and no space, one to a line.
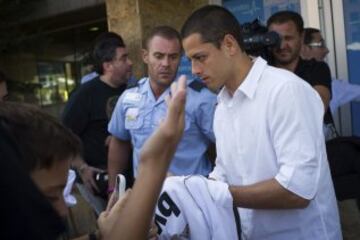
321,82
268,194
118,159
295,126
134,219
119,150
86,173
324,93
75,117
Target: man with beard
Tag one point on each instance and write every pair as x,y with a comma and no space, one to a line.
140,110
290,26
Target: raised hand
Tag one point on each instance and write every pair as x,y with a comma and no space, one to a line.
135,218
163,142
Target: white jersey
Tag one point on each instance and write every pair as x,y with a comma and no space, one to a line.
194,207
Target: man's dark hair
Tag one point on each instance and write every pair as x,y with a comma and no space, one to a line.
42,140
308,34
213,23
286,16
166,32
105,49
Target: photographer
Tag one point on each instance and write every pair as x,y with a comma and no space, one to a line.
290,26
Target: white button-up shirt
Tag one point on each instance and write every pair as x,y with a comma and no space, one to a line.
272,128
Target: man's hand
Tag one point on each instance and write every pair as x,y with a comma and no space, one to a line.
108,218
86,173
170,130
134,219
174,122
153,232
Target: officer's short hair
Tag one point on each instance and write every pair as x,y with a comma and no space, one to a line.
213,23
166,32
105,49
287,16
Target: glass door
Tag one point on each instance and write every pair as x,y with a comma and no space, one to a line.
248,10
345,18
351,10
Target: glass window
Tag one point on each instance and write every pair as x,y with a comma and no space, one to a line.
354,16
249,10
352,25
56,80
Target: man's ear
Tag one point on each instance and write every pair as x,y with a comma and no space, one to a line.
230,45
106,66
145,55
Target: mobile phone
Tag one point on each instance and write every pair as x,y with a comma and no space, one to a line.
120,185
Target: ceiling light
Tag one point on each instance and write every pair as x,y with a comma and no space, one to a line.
94,29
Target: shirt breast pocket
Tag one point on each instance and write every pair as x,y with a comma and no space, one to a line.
133,119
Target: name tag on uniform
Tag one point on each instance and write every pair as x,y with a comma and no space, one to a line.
132,114
132,97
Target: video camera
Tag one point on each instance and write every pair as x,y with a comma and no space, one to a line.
258,40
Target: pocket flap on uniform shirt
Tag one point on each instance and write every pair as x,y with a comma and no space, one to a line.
133,119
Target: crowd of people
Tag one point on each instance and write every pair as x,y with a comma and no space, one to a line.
268,121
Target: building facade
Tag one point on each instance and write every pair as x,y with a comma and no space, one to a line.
59,35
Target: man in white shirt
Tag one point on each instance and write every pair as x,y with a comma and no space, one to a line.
269,139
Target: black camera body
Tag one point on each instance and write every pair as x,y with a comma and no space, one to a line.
101,180
258,41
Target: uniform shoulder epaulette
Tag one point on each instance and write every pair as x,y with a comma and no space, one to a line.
197,85
132,85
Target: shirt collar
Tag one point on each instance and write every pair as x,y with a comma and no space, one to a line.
146,88
148,91
249,85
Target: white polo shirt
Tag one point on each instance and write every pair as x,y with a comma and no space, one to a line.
272,128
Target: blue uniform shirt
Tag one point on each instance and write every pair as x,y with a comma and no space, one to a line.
137,114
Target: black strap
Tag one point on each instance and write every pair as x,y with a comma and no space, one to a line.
330,123
197,85
237,221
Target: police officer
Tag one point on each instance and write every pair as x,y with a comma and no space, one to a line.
140,110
